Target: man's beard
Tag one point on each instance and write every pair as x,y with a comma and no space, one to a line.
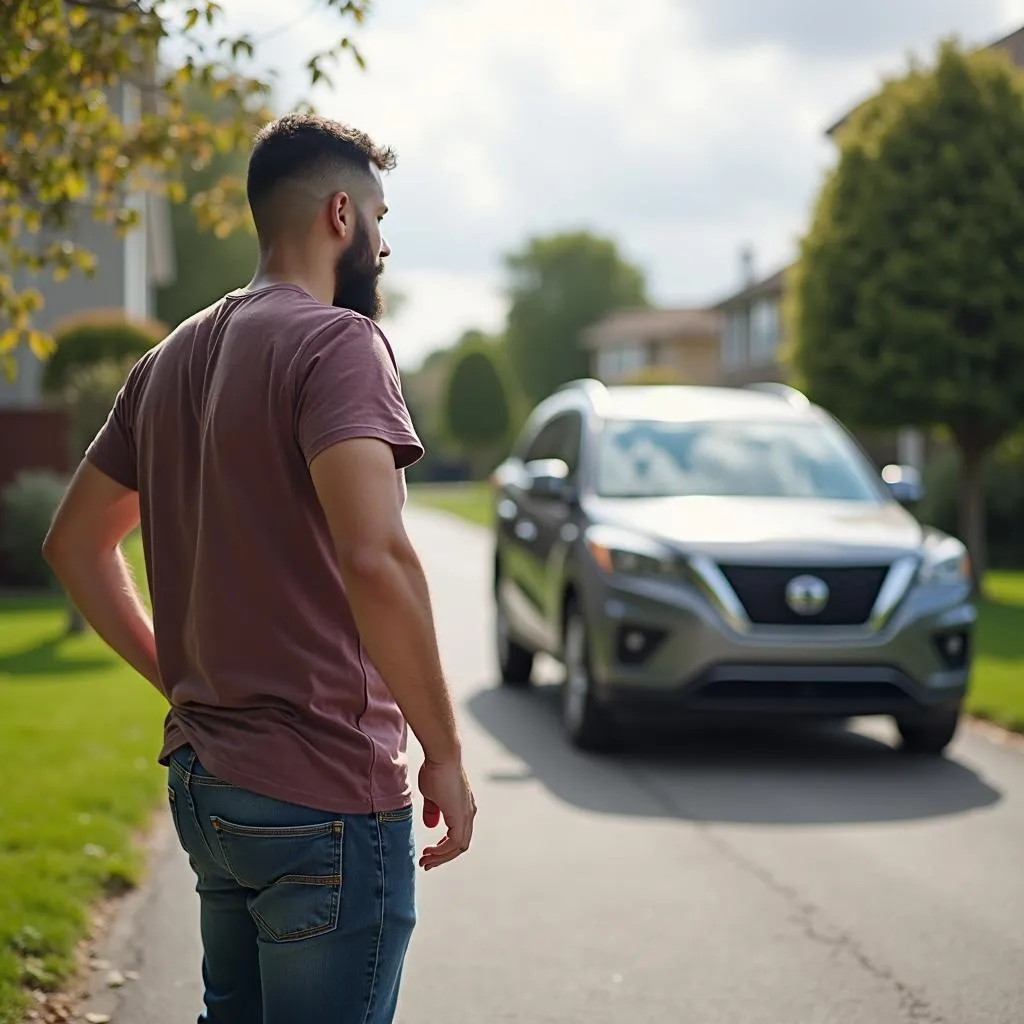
355,279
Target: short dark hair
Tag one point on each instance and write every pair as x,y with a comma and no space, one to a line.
307,151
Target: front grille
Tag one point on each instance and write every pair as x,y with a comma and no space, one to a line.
761,589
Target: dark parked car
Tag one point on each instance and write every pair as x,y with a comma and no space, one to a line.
691,550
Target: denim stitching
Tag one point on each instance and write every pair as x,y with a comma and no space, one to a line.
309,933
186,776
335,913
367,1019
272,832
404,814
211,780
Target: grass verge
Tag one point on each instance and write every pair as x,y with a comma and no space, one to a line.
997,691
79,731
470,501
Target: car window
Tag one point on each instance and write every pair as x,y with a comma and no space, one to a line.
558,439
738,459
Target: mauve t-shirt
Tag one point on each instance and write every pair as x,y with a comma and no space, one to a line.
259,655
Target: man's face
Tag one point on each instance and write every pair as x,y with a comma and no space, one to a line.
358,269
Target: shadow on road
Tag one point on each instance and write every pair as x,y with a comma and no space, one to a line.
799,774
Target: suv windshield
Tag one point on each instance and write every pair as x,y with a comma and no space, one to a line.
773,459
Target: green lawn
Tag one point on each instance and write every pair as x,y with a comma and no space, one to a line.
472,501
998,687
79,732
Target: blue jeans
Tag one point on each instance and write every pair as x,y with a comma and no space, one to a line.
284,940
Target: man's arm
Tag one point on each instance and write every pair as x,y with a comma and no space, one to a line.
387,591
84,549
358,489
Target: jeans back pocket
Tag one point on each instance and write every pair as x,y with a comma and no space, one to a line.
294,873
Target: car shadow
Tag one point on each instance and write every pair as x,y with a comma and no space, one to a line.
796,774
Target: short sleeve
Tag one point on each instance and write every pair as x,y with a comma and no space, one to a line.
113,450
347,387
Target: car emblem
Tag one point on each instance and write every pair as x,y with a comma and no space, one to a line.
807,595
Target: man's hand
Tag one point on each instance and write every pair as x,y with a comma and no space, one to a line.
446,794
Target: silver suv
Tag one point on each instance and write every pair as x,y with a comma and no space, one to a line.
708,550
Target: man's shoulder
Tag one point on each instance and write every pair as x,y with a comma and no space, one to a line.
345,329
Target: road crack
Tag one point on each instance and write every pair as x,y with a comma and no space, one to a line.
810,919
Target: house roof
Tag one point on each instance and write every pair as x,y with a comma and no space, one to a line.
654,325
1013,44
766,286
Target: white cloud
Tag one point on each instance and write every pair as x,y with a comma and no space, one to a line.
438,307
682,130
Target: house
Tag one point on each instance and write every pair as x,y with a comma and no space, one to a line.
630,343
752,335
128,272
33,431
1013,45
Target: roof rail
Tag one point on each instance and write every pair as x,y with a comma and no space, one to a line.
788,394
589,385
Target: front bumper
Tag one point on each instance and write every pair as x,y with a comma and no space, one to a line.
697,662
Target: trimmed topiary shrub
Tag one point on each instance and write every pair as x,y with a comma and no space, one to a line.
88,395
29,503
94,338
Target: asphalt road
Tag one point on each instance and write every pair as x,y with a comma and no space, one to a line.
790,877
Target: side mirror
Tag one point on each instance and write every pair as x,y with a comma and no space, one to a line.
549,478
905,484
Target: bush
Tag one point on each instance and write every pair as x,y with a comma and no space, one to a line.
29,504
94,338
88,396
479,404
1004,500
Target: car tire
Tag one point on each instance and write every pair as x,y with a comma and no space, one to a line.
930,732
584,720
515,662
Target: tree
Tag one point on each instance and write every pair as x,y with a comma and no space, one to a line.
66,70
206,266
478,404
908,298
559,287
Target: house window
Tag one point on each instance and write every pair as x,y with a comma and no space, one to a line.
735,339
622,361
764,331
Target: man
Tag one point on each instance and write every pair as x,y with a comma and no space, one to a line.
262,446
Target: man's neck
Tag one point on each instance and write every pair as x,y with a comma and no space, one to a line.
273,269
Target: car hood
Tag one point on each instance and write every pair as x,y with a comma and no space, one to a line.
770,529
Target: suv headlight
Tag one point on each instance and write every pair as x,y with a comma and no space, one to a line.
629,554
946,562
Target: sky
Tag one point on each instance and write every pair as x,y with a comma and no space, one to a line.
683,129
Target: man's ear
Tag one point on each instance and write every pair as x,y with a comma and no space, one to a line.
341,215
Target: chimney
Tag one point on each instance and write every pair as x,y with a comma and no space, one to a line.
748,275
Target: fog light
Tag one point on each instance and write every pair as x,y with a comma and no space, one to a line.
634,641
954,648
635,644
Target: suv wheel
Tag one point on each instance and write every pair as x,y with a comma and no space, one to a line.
930,731
515,662
584,720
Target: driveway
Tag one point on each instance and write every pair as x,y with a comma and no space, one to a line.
808,876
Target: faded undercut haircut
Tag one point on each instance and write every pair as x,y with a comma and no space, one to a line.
299,160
